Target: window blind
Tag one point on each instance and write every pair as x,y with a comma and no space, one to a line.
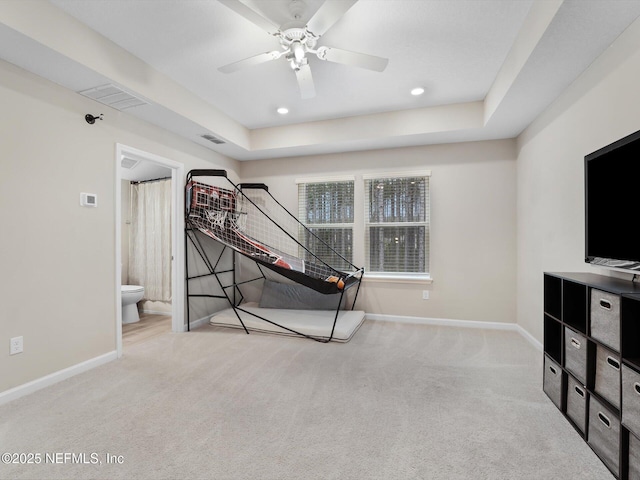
397,224
326,208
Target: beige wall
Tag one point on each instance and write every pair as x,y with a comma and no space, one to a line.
57,259
473,243
602,106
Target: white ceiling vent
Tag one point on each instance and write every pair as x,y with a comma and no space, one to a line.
129,163
211,138
114,97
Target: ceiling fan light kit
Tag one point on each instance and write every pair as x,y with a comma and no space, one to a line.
296,42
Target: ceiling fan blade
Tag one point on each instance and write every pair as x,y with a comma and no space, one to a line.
251,15
327,15
305,82
248,62
346,57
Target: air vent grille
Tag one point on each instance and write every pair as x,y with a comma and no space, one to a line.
129,163
114,97
212,138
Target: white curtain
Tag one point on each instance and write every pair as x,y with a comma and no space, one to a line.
150,241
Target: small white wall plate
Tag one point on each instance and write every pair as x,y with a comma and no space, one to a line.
88,199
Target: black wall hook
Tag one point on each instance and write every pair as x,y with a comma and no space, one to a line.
91,119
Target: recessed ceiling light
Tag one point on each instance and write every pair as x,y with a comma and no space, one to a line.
417,91
283,110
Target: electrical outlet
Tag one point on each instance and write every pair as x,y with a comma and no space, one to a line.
425,294
15,345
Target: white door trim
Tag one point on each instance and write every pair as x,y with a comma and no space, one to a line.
177,237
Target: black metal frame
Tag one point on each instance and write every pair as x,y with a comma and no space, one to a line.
236,297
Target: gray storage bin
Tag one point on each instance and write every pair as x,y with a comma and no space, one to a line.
608,375
631,399
604,434
576,402
634,458
605,318
575,354
552,381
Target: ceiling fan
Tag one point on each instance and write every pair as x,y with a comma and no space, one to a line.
297,42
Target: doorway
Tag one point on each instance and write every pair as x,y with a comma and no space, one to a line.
125,158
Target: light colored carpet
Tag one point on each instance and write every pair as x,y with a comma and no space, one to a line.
399,401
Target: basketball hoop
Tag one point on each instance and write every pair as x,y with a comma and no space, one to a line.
216,217
238,220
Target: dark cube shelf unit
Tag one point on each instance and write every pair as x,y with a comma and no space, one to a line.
592,363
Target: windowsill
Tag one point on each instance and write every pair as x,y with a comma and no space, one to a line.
398,278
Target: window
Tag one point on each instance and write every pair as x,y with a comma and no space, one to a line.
326,208
393,234
397,224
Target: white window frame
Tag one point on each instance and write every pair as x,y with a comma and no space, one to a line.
424,277
340,225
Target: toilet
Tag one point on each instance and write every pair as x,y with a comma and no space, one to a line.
131,295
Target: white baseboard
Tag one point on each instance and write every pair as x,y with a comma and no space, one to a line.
198,323
530,338
458,323
55,377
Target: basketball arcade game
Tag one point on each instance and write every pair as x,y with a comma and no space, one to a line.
246,219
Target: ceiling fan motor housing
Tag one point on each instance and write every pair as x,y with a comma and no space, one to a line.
297,42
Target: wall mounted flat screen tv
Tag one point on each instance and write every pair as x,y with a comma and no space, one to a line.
612,205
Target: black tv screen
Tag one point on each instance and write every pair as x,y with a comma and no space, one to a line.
612,206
